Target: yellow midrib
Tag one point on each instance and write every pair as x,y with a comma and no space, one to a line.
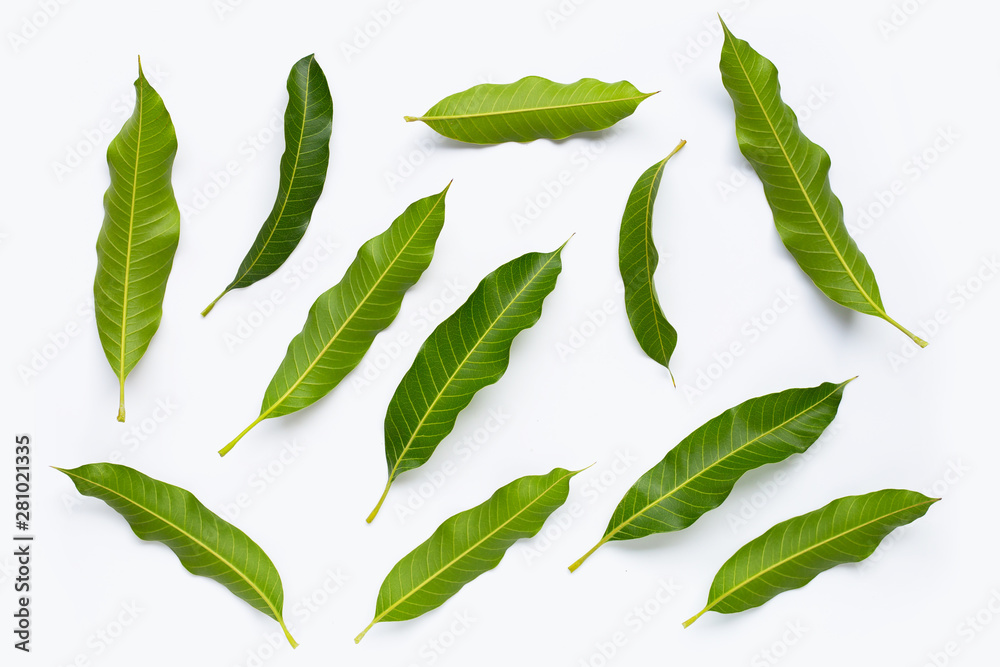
231,566
812,547
554,107
128,245
450,563
354,312
291,180
805,194
702,472
447,383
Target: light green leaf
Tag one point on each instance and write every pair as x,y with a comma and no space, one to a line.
699,473
468,351
136,245
206,545
467,545
637,260
308,125
792,553
795,174
345,319
532,108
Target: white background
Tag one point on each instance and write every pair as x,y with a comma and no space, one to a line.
875,98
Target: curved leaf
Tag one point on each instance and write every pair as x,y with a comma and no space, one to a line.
637,260
795,175
699,473
345,319
793,552
137,241
308,125
468,351
532,108
466,545
206,545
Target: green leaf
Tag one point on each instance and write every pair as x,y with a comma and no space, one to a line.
637,260
136,245
795,174
466,545
468,351
532,108
792,553
206,545
308,125
345,319
699,473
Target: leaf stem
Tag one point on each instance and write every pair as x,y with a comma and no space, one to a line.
915,338
579,561
288,635
694,618
225,450
357,640
210,306
121,400
378,506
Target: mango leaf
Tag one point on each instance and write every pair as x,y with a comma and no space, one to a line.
206,545
793,552
137,241
468,351
345,319
795,174
699,473
532,108
468,544
637,260
308,125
